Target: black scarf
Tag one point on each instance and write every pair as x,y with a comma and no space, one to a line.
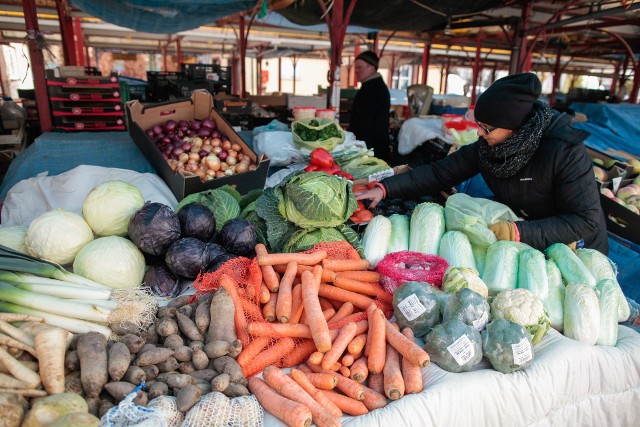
506,158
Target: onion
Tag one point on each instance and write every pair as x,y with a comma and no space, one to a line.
216,150
209,123
197,141
242,167
252,167
203,153
183,157
231,160
232,153
194,149
204,132
226,145
157,129
220,174
224,166
212,162
183,124
196,125
207,148
170,125
177,151
223,155
168,149
216,142
236,147
194,156
201,173
186,146
191,133
150,133
215,134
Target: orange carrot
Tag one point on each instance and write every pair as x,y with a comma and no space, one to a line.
283,307
271,355
346,404
254,348
355,317
339,345
325,304
317,274
347,360
269,309
263,329
300,353
317,322
363,276
287,387
316,358
376,383
328,314
251,310
364,288
304,368
312,258
268,274
359,370
345,310
296,304
338,265
408,348
241,323
338,294
357,344
372,399
393,382
265,295
302,380
291,413
350,387
344,370
411,373
377,351
367,345
335,367
324,381
327,275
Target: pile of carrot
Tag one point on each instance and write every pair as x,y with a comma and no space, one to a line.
324,315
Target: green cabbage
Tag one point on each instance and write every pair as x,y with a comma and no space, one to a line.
426,228
581,313
532,273
456,249
109,206
555,299
501,266
306,238
607,292
375,239
572,269
456,278
507,345
399,240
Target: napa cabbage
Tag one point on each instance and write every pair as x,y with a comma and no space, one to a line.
581,313
456,249
555,299
399,240
532,273
426,228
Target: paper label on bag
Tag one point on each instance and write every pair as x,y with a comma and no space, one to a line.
411,307
462,350
616,183
522,352
379,176
480,323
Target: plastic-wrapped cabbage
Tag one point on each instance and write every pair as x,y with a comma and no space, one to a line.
501,266
507,345
426,228
602,268
456,278
479,254
532,273
375,239
454,346
456,249
399,240
607,292
469,307
581,314
555,299
522,307
571,267
417,305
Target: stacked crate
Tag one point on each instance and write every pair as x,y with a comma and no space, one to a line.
89,103
212,77
159,84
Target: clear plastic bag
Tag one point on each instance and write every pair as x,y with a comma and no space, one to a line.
318,132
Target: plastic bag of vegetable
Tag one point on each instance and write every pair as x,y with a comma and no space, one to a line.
572,269
501,266
507,345
426,228
479,255
607,292
554,302
522,307
399,240
456,278
469,307
375,239
416,305
581,314
532,273
456,249
454,346
315,133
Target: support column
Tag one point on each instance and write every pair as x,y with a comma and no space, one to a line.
392,70
179,57
279,74
66,32
556,78
633,96
356,52
242,44
37,64
426,57
77,29
614,80
446,75
524,62
476,68
163,52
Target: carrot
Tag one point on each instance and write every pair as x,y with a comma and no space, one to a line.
339,345
327,275
269,309
283,307
268,274
303,367
345,310
262,329
325,304
300,353
328,314
367,344
355,317
359,370
344,370
254,348
364,288
377,351
335,367
317,323
338,294
312,258
316,358
347,360
408,348
241,323
363,276
251,310
268,356
411,373
346,404
296,304
350,387
324,381
292,413
287,387
373,399
392,375
376,383
265,295
51,345
317,274
302,380
338,265
357,344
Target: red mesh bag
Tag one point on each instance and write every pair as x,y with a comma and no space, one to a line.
398,268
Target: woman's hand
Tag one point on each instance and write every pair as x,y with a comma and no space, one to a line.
375,195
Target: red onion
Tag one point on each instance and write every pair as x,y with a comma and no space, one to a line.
150,133
168,149
215,134
181,133
204,132
209,123
177,151
222,155
170,125
191,133
183,124
203,153
196,125
157,129
186,146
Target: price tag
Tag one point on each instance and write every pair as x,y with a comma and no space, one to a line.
522,352
411,307
462,350
616,183
379,176
480,323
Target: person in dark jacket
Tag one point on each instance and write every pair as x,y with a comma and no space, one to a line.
532,159
370,112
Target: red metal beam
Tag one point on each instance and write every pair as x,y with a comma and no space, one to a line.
37,64
633,96
426,57
77,29
476,68
179,50
66,32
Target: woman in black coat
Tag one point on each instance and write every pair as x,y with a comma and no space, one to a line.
532,160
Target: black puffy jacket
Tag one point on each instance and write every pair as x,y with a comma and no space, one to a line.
555,193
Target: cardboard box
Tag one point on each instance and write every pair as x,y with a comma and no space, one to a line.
620,220
608,160
198,107
234,106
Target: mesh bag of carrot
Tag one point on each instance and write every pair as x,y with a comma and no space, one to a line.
400,267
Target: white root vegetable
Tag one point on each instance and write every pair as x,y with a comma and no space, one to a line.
51,345
16,333
10,342
18,370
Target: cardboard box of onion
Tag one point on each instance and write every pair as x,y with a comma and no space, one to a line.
193,148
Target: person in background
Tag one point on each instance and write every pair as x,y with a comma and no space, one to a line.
531,159
370,112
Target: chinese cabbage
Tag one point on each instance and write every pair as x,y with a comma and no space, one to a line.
426,228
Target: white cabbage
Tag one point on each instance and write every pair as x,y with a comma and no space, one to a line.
375,239
607,292
456,278
581,314
456,249
532,273
426,229
109,206
555,299
13,237
399,240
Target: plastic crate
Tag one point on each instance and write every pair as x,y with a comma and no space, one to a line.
131,88
158,88
184,88
203,72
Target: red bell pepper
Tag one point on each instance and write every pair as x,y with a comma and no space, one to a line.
311,168
321,157
345,175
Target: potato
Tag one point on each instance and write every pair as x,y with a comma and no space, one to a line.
188,328
175,380
187,397
166,326
73,384
166,312
169,365
222,312
71,361
183,354
92,352
119,389
226,364
178,302
204,374
118,361
124,328
186,310
202,317
199,359
195,344
220,383
235,390
173,341
158,389
104,407
150,372
186,368
133,342
134,375
154,356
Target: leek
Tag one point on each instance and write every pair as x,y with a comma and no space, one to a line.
64,291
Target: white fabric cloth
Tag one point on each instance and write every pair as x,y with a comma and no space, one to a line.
568,384
416,131
33,196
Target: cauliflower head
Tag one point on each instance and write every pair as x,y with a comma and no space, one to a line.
521,306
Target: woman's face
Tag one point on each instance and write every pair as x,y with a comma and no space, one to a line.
493,135
363,69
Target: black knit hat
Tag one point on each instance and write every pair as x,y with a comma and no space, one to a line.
370,58
508,102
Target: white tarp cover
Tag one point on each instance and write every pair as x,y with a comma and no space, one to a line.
568,384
